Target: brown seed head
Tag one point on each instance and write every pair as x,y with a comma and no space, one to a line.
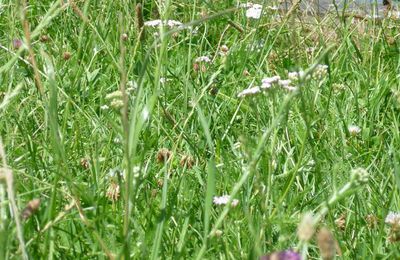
85,163
187,161
124,37
224,49
44,38
196,67
341,222
326,243
246,73
67,55
163,155
30,209
372,221
160,183
113,192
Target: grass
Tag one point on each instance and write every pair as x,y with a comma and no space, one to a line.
107,187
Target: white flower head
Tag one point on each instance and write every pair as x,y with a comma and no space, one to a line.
354,130
320,71
254,12
271,80
223,200
249,92
393,219
203,59
158,22
104,107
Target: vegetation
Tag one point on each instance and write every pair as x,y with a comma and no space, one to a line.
170,129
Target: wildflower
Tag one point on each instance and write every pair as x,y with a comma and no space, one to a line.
114,95
113,192
160,183
223,200
196,67
271,80
296,75
104,107
306,230
284,83
203,59
326,243
17,43
320,71
224,50
254,11
163,155
393,219
354,130
67,55
163,80
359,175
282,255
158,22
30,209
117,104
249,92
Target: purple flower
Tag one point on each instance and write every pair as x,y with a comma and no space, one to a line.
282,255
17,43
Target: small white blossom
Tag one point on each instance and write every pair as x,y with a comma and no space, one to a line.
203,59
254,12
284,82
270,80
158,22
249,92
393,219
354,130
320,71
223,200
104,107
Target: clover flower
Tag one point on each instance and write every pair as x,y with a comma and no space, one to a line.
393,219
354,130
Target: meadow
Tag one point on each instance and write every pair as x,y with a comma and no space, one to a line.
197,130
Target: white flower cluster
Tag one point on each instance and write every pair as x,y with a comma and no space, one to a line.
253,11
267,84
393,219
223,200
320,71
203,59
158,22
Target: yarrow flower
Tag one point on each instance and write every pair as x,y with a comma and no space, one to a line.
320,71
253,11
158,22
359,176
223,200
203,59
249,92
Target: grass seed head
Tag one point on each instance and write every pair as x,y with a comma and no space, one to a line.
163,155
30,209
326,243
